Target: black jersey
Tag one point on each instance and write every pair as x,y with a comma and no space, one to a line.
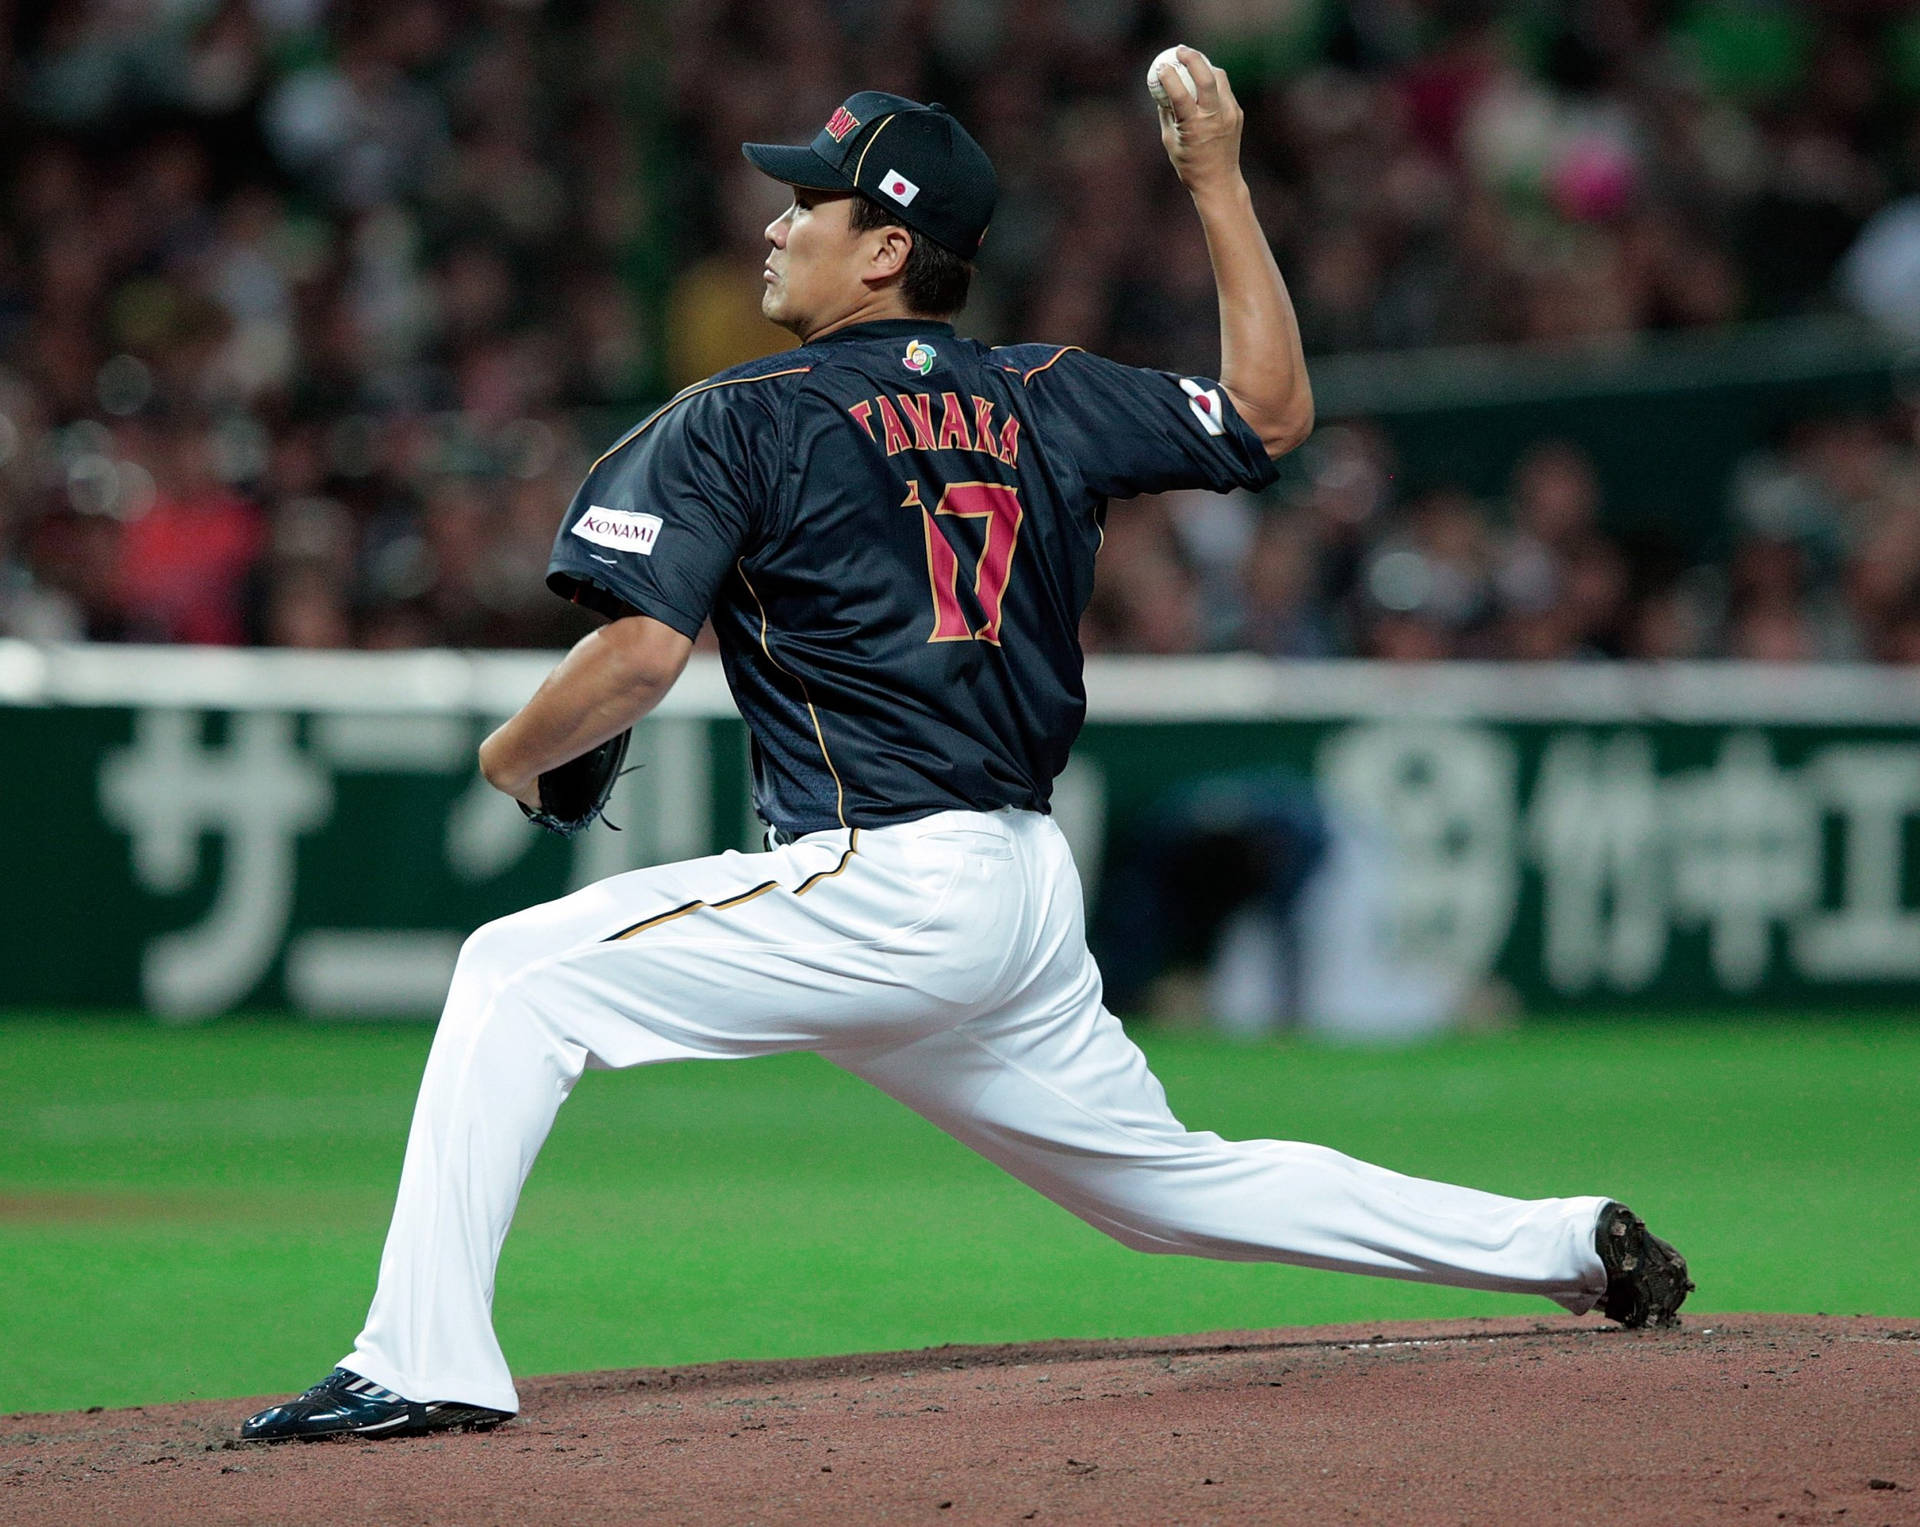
893,530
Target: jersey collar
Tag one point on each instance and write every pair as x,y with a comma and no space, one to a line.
886,328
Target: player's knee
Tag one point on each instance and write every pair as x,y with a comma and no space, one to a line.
1140,1222
1154,1240
491,953
1153,1209
1178,1231
1158,1235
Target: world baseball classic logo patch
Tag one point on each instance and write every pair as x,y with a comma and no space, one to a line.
619,529
919,357
841,123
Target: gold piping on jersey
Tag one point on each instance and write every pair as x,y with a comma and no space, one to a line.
870,143
680,397
742,898
839,793
1063,350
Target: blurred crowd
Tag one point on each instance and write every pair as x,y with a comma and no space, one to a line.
299,307
1819,560
312,314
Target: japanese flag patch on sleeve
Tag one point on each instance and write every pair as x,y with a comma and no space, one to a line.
1206,406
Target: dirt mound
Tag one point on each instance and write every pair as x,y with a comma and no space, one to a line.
1759,1418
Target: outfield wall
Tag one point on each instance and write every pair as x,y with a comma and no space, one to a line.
198,830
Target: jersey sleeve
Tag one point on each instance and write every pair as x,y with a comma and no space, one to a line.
661,518
1136,431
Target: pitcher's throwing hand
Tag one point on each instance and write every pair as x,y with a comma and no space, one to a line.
1199,123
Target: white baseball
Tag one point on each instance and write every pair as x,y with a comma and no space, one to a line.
1156,89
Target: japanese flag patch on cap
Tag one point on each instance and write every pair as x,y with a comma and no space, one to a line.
1205,403
899,187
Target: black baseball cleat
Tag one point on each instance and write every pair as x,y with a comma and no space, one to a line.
344,1404
1646,1278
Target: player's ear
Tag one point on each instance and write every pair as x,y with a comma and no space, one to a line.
890,251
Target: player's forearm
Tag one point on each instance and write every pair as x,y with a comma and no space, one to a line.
1262,367
611,679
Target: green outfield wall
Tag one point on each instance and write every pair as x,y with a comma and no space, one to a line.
195,831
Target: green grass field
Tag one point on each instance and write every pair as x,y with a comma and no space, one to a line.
200,1212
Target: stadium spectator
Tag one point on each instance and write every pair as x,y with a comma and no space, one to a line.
185,553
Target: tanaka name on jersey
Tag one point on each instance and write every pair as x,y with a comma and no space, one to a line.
911,425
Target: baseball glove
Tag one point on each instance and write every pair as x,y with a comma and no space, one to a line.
572,794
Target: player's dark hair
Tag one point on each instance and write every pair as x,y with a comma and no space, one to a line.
936,280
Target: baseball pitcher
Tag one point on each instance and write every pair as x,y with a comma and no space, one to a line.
893,530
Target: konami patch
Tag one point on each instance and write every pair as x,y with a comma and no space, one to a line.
620,529
1206,406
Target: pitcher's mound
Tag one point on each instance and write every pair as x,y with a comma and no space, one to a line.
1759,1418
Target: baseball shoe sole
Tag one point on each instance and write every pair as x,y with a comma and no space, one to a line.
344,1404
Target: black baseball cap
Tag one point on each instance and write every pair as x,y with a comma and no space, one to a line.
916,161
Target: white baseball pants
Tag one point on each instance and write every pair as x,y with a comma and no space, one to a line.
943,960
